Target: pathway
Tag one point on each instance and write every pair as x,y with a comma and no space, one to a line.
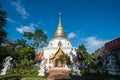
59,75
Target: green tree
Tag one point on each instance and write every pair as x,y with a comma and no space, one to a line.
24,54
24,50
28,35
39,38
21,43
7,49
84,52
3,33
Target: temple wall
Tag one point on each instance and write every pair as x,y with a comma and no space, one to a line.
54,43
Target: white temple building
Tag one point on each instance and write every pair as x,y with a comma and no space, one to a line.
59,54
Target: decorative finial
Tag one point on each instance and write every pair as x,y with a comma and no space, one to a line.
60,13
60,32
60,19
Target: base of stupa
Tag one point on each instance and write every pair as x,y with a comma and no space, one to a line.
60,68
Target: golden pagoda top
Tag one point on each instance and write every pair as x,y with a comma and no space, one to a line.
59,32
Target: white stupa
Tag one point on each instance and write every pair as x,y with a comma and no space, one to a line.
59,54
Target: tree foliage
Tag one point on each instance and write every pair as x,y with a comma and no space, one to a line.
3,33
88,58
84,52
7,49
39,38
28,35
24,50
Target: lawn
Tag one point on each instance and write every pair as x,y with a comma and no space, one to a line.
89,76
19,76
92,76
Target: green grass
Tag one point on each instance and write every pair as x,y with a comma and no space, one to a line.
89,76
95,76
22,76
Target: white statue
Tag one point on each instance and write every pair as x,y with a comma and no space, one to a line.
6,65
112,62
75,70
112,67
104,63
41,72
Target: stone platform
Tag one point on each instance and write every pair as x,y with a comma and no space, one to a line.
59,75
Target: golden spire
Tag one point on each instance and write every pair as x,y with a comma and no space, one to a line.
59,24
59,32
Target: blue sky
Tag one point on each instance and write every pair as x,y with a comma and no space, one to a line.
88,22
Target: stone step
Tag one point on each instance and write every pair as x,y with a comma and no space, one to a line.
59,75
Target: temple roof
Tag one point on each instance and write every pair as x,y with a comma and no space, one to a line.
59,54
60,32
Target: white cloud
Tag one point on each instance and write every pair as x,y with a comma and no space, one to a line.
92,43
71,35
20,9
23,29
11,20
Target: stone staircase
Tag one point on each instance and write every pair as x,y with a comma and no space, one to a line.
59,75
